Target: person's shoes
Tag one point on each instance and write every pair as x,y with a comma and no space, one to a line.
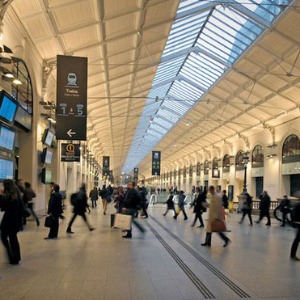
145,217
201,226
251,224
127,236
164,215
295,258
104,213
92,229
70,231
226,243
206,244
185,219
14,263
268,224
37,223
49,238
240,222
175,217
257,222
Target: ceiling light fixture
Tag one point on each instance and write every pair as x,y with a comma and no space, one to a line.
17,81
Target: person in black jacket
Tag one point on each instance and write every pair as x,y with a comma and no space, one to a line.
247,208
285,209
54,210
296,221
80,207
199,206
28,196
130,206
94,197
143,203
13,206
264,208
170,204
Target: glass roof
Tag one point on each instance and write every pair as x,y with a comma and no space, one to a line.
206,38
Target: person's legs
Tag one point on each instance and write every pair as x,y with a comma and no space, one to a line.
201,220
283,218
268,217
144,210
86,221
93,203
224,238
53,233
195,219
30,207
261,215
243,216
6,244
250,217
104,202
184,213
166,212
207,240
15,247
295,244
69,229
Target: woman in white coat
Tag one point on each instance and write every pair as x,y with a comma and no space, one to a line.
214,213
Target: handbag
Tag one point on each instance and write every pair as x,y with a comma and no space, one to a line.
218,226
25,212
48,221
122,221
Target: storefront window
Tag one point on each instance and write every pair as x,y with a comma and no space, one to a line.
258,157
291,149
226,163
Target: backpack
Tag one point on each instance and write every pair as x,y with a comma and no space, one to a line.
74,199
295,214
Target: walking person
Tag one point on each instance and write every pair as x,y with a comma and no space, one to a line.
130,206
296,221
13,206
94,197
285,209
214,213
200,205
181,204
170,204
54,210
264,208
105,196
143,202
247,208
80,206
28,197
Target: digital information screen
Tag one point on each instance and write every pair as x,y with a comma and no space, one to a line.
6,169
49,138
48,158
7,138
8,109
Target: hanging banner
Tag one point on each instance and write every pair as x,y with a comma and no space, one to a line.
105,166
70,152
71,95
136,174
156,163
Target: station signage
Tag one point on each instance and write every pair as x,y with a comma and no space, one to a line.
136,174
105,166
71,95
70,152
156,163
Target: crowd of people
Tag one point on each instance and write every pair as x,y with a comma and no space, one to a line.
17,203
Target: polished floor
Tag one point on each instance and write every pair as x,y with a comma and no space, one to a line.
167,263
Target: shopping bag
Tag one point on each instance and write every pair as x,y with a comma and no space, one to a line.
178,210
123,221
218,226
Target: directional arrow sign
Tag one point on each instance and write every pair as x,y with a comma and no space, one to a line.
70,133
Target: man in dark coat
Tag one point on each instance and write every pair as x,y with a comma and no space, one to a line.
80,207
94,197
296,221
131,205
264,208
54,210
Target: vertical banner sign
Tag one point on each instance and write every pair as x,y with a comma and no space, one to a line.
71,95
136,174
156,163
105,166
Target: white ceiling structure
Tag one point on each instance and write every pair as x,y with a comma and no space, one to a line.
229,69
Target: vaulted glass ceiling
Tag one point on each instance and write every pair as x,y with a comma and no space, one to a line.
205,40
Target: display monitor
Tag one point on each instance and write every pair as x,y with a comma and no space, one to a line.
46,176
6,169
7,138
46,156
8,107
23,118
48,137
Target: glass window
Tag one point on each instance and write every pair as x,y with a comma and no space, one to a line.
239,164
258,157
226,163
198,169
291,149
206,167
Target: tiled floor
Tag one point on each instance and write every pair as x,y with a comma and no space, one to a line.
101,265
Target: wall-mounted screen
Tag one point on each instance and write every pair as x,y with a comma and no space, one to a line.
6,169
46,156
7,138
8,107
23,118
48,137
46,176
